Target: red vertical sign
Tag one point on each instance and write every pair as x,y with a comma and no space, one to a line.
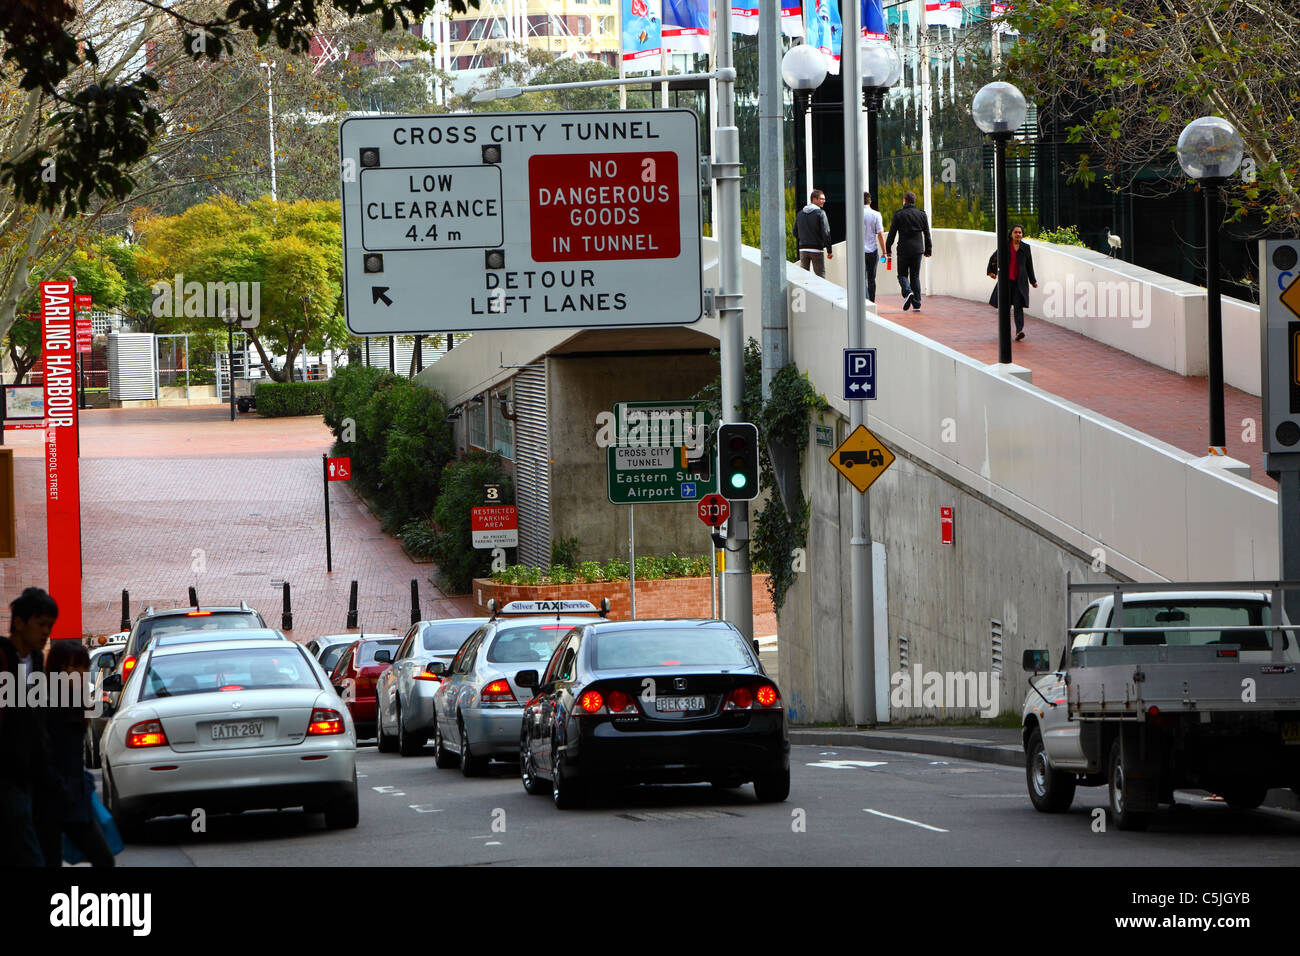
945,525
62,482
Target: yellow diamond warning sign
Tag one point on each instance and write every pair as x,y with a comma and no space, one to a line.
862,458
1290,297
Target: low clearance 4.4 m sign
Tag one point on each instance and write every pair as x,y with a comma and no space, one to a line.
523,220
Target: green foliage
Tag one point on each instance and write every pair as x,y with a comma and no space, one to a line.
751,226
347,392
419,537
648,568
564,552
461,490
1062,236
281,399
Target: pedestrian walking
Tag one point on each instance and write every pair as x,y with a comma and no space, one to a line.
912,228
873,231
812,233
1020,272
24,748
69,810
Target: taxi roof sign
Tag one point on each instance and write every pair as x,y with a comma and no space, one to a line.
548,607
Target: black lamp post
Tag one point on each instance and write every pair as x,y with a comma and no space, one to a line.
999,110
803,68
230,317
1209,151
881,69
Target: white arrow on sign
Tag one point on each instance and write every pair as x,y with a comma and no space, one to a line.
847,764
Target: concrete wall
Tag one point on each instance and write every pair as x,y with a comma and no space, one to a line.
580,387
1158,319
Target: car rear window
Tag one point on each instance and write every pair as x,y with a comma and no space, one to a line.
206,672
215,621
447,637
330,656
366,652
669,647
1220,618
527,643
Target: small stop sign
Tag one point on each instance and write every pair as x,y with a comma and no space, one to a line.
713,510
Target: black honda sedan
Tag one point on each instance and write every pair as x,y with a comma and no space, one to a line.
672,701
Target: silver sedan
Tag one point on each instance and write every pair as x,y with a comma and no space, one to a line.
229,726
406,690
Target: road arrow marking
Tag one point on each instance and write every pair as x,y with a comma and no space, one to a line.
377,293
846,764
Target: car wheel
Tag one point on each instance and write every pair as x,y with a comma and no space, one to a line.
443,758
1050,791
1244,796
408,745
1124,819
566,794
772,787
534,786
129,825
386,742
345,812
470,765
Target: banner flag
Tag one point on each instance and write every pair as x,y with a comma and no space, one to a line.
642,36
943,13
62,482
744,17
824,30
873,20
997,12
686,25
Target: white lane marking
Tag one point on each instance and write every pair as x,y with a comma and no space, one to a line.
389,791
493,843
362,776
915,823
846,764
421,808
938,763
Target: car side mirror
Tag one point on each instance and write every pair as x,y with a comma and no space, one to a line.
383,657
436,668
112,684
527,679
1035,661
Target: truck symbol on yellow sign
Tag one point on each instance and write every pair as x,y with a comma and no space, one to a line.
861,458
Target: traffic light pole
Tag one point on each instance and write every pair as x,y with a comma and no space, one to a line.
726,170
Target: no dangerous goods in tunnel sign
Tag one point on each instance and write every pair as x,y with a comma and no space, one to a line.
520,221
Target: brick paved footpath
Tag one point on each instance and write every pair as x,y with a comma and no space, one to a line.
174,497
1151,399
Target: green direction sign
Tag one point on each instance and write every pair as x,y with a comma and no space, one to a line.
661,453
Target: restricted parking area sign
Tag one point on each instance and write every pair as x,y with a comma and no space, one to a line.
464,222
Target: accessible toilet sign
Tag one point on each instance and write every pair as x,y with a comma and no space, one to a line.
470,222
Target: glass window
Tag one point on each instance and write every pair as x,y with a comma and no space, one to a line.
215,621
178,675
477,417
1218,617
503,430
445,637
404,651
366,652
668,647
526,643
464,661
556,665
330,656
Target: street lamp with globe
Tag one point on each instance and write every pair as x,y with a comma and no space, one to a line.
999,109
803,68
1209,151
881,69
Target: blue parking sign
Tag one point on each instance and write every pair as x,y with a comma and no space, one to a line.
859,374
688,489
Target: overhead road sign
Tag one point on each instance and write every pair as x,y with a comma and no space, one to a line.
862,458
499,221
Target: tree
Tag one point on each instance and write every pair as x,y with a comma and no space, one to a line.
289,254
105,124
1127,77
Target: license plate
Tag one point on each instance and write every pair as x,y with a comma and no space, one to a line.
677,705
236,729
1291,732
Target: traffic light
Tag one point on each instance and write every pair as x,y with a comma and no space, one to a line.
738,461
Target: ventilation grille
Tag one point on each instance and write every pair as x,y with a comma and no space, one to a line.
995,628
902,652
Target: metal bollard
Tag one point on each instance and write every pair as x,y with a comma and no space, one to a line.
415,601
126,611
286,615
194,597
352,607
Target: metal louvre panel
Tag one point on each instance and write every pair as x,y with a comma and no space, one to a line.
132,375
532,465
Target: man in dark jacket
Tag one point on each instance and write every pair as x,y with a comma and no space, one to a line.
812,232
24,750
913,230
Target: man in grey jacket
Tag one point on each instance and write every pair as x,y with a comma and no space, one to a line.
812,231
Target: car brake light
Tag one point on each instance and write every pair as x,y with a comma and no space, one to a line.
147,733
621,703
497,692
324,721
767,696
758,697
198,613
127,666
427,675
591,701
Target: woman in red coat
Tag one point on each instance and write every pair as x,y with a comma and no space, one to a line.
1021,273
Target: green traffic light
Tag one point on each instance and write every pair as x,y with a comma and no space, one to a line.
738,481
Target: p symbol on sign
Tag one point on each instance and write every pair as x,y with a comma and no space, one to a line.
862,365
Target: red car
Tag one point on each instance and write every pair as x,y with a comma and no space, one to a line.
355,675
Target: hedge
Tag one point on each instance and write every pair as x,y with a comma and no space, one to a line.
462,489
279,399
